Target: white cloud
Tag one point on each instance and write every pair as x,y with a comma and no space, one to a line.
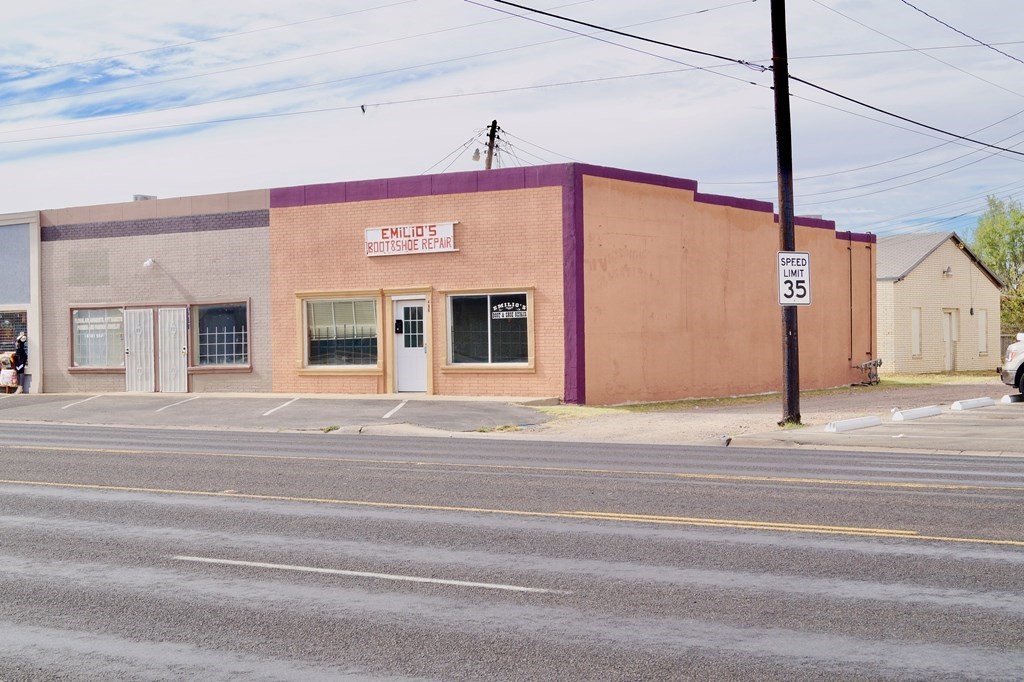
695,124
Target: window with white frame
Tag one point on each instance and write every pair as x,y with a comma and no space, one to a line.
488,328
97,337
915,332
11,324
341,332
982,316
220,334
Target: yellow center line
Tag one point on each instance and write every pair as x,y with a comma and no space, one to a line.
577,515
526,468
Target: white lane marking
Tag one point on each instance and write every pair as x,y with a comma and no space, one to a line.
79,402
279,407
363,574
182,402
400,406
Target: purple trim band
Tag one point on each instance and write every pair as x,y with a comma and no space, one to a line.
867,237
149,226
575,384
734,202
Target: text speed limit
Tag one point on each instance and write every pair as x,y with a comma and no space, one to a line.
794,278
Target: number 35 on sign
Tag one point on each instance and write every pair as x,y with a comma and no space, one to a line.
794,278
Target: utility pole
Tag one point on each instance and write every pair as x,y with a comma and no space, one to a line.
490,143
784,146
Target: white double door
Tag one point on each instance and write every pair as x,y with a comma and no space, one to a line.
151,353
410,346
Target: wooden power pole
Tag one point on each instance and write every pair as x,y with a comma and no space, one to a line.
490,143
784,145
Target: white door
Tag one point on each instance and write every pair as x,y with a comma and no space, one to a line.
173,351
410,346
138,350
949,340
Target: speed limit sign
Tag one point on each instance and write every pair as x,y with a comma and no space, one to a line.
794,278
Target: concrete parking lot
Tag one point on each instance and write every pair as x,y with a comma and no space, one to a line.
272,412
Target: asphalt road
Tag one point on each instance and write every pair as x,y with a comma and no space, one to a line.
162,554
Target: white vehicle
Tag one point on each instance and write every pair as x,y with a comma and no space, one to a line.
1012,373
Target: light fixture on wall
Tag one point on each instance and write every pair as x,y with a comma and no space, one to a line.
948,272
148,263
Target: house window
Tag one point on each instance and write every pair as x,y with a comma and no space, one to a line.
221,334
489,328
982,316
97,337
915,332
341,332
11,324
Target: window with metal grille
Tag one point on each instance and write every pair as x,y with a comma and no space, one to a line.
341,332
11,324
221,334
489,328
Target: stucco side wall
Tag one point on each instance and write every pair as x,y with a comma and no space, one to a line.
927,288
682,298
886,336
508,239
212,266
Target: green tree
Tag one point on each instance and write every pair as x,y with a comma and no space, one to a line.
999,243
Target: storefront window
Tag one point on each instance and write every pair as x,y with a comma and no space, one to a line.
11,324
98,337
489,328
341,332
221,334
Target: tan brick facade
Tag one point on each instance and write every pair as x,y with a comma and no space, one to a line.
221,264
506,240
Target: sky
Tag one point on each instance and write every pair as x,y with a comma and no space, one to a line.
104,100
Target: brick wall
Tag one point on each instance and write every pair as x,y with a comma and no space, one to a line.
508,239
206,258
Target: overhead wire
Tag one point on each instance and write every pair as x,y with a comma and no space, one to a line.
955,29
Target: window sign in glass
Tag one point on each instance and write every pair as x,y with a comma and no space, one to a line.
98,337
341,332
489,328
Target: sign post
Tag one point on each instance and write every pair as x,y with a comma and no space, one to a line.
794,278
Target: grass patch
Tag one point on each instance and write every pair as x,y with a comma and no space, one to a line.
504,428
328,429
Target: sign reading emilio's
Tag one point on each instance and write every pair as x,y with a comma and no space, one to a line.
404,239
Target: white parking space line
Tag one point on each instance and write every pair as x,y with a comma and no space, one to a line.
268,412
392,412
363,574
180,402
79,402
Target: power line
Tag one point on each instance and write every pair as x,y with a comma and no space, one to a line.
923,54
954,28
755,66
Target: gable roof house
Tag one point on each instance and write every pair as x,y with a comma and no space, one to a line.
938,305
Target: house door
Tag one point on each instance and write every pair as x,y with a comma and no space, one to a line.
138,350
410,346
949,339
173,357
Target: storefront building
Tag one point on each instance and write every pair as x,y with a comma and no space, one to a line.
595,285
157,295
589,284
20,290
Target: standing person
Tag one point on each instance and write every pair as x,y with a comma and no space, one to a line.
20,358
